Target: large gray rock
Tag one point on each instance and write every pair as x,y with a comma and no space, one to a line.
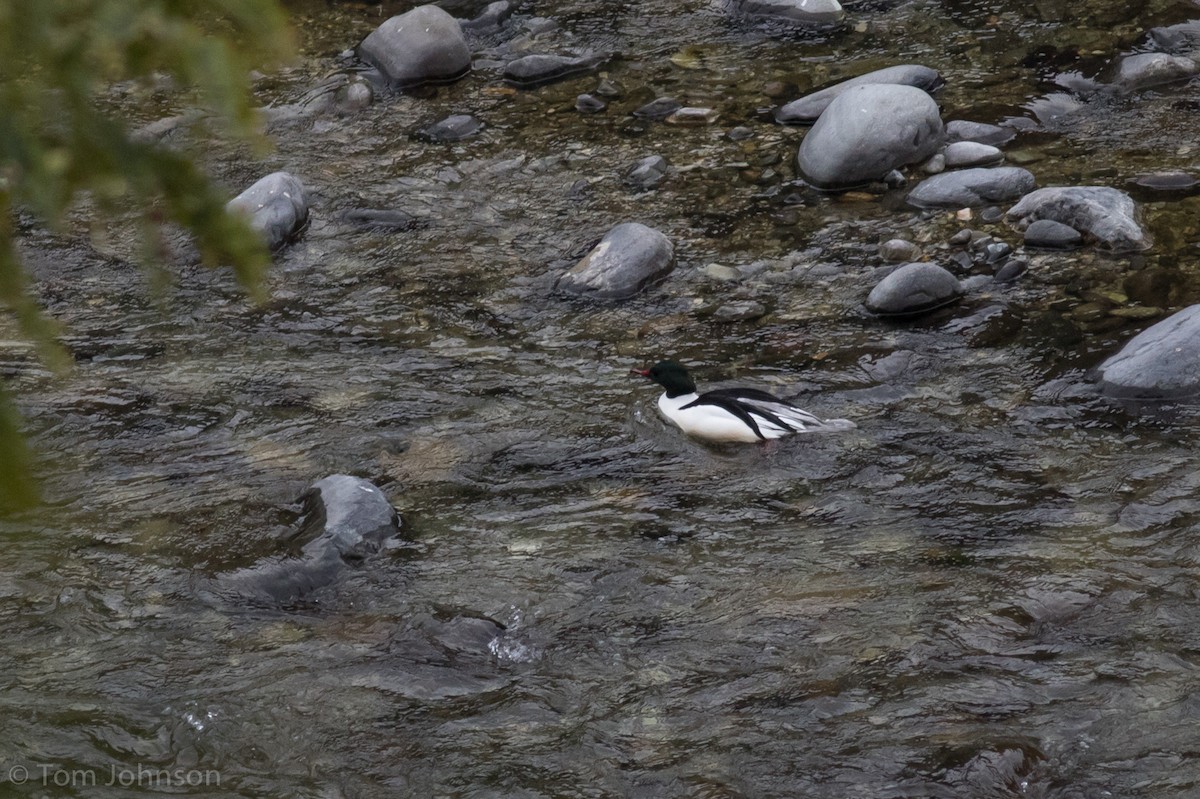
1107,214
629,257
1161,362
796,12
1144,70
424,45
808,108
866,132
966,188
346,520
277,206
912,289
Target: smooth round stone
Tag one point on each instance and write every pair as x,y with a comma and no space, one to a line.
424,45
897,251
808,108
964,154
868,131
492,17
740,133
538,70
1144,70
912,289
968,188
935,165
659,109
1107,214
648,173
589,104
629,257
1052,235
277,207
1011,270
980,132
455,127
693,115
1161,362
797,12
1165,185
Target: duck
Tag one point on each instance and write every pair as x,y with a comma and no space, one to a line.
730,414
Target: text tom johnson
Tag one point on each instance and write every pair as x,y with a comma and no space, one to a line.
139,776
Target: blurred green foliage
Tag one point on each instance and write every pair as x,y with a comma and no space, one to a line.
58,145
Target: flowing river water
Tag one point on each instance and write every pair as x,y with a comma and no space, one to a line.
991,588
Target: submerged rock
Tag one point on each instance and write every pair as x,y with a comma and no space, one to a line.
1170,185
1052,235
277,206
963,130
798,12
1161,362
867,132
346,520
424,45
1144,70
379,218
1181,39
648,173
1106,214
491,17
630,256
538,70
972,187
808,108
658,109
913,289
455,127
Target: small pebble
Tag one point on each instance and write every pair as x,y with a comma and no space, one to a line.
991,214
589,104
898,251
657,110
693,116
1012,269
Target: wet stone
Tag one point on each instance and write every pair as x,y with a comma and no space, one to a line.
1145,70
379,219
1171,185
963,154
1108,215
867,132
691,115
658,110
898,251
972,187
739,134
992,214
451,129
589,104
808,108
1161,362
935,165
1181,39
797,12
1011,270
424,45
628,258
648,173
1052,235
491,18
277,206
739,311
537,70
960,130
913,289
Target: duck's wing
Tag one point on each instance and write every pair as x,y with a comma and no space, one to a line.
770,417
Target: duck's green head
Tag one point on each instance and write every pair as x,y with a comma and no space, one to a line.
670,375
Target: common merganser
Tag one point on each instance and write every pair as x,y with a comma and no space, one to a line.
730,414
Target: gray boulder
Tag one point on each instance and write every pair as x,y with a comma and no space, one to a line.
1144,70
1161,362
797,12
972,187
277,207
1107,214
424,45
808,108
629,257
346,520
868,131
912,289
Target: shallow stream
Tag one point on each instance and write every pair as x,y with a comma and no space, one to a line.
991,588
